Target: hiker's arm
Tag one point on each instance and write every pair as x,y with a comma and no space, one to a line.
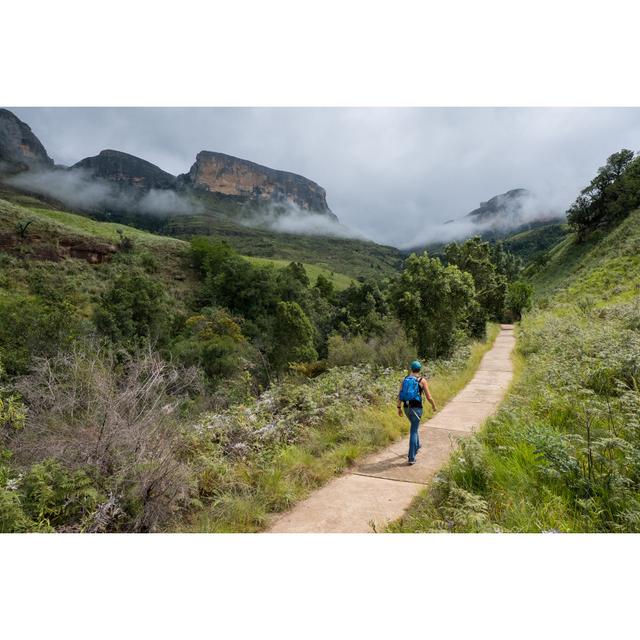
399,405
427,393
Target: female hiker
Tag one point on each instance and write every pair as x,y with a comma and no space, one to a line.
413,386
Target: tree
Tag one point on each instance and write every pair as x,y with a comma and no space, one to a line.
606,199
475,257
363,307
518,299
432,303
325,286
294,336
508,264
133,311
213,340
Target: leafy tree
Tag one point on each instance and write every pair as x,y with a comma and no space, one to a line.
608,197
293,284
507,264
362,308
325,286
133,310
213,340
207,255
475,257
294,336
518,299
433,302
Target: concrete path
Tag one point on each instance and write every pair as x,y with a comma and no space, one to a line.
381,487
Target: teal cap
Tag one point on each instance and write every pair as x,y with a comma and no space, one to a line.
415,365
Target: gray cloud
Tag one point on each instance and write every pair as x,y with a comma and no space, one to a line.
393,175
289,218
77,188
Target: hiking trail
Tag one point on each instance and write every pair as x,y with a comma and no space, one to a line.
380,488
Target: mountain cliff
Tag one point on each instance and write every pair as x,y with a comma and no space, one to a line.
124,168
231,176
20,149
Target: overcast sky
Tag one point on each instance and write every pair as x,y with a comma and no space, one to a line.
390,174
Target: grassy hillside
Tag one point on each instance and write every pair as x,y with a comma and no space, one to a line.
563,453
160,255
533,243
42,255
340,281
355,258
606,267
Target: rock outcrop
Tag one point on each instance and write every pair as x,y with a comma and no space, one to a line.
20,149
126,169
228,175
39,247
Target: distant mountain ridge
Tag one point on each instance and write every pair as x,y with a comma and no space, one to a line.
496,206
217,174
124,168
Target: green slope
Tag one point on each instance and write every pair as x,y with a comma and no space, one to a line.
606,267
533,243
563,452
352,257
340,281
161,255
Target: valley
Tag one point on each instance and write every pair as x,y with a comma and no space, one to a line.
174,358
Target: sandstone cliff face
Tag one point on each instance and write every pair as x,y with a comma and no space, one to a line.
124,168
221,173
20,149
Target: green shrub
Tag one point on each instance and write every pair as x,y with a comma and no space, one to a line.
31,327
53,496
133,311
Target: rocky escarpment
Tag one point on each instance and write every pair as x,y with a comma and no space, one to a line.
118,182
228,175
126,169
20,149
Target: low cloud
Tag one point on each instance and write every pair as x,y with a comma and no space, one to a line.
513,214
289,218
78,189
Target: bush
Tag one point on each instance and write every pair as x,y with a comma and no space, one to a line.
518,300
391,349
31,327
213,341
119,420
133,311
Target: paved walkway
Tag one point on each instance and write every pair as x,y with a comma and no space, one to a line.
381,487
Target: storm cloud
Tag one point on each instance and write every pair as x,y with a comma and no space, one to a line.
394,175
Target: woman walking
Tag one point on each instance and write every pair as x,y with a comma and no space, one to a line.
410,398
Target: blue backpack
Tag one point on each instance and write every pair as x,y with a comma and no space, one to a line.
410,389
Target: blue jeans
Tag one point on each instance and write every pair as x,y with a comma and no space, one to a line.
414,414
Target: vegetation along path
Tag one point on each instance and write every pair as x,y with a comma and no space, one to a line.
381,487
